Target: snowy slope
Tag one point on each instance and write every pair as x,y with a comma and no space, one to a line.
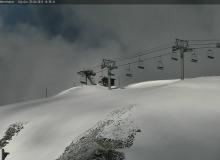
178,120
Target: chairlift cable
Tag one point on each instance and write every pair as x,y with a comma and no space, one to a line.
202,40
146,59
141,53
203,47
158,49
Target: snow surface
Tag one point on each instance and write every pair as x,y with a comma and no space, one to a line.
178,120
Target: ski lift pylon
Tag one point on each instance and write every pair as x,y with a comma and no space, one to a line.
140,63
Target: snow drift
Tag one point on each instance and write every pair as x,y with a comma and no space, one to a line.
178,120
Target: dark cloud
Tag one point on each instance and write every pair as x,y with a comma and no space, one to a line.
49,19
44,46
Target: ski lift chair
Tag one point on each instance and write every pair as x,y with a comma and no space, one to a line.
210,54
140,63
160,65
129,73
174,56
112,74
194,57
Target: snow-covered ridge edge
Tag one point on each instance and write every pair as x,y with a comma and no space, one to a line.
147,84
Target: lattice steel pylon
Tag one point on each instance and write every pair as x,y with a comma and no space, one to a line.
182,46
88,75
110,65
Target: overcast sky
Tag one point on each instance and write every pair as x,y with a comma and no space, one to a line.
44,46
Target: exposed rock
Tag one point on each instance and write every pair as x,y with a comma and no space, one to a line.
10,132
102,141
